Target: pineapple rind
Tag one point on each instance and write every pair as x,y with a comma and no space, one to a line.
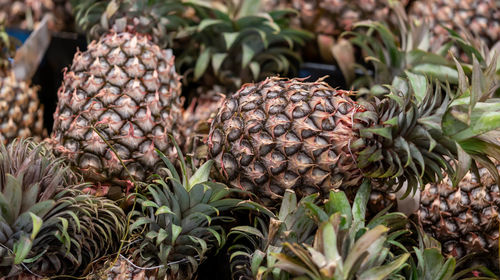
75,229
124,93
465,218
480,18
21,114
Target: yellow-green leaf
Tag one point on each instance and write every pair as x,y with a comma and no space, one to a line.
230,38
37,225
202,64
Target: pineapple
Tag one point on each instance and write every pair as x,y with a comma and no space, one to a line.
21,114
179,222
119,101
464,219
47,225
287,134
481,18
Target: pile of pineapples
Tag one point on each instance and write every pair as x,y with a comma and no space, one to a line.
181,150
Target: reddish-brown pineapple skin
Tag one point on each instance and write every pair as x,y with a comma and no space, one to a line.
119,101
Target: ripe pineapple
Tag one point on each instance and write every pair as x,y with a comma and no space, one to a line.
481,18
286,134
464,219
21,114
119,101
47,224
124,89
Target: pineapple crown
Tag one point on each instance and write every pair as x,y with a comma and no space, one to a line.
344,247
156,19
338,243
416,130
428,262
46,224
182,215
227,44
413,49
268,233
233,44
294,226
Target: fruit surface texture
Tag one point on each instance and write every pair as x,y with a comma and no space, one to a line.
21,114
463,218
118,102
480,18
282,134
